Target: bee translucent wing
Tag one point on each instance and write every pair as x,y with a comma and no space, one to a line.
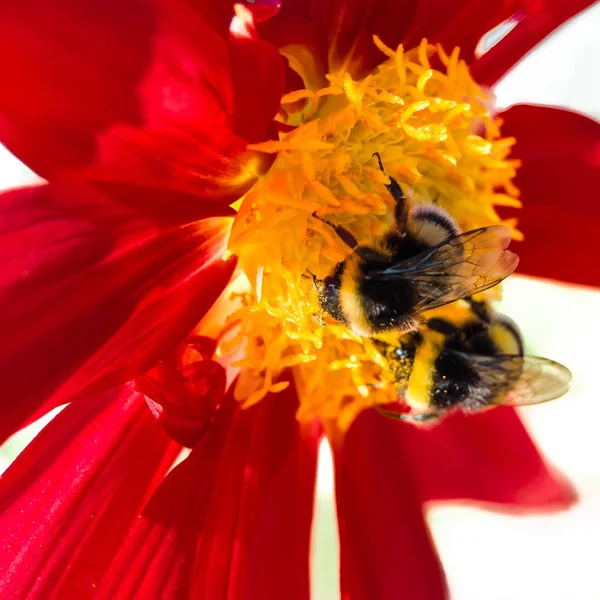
541,380
458,267
522,380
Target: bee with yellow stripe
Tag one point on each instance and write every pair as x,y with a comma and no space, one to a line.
467,358
423,262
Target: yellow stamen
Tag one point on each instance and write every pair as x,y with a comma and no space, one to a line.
436,135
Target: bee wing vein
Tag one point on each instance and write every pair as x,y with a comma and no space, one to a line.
522,380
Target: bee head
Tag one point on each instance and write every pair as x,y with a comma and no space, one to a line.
328,292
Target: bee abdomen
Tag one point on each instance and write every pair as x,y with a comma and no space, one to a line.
455,383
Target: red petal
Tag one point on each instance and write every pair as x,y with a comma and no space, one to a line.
536,20
385,546
460,23
559,183
488,457
154,107
183,393
257,70
69,498
339,33
233,520
301,38
347,26
62,85
263,9
351,24
92,289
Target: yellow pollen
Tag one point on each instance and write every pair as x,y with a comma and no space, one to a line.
436,134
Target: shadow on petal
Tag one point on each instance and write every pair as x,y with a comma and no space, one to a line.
485,457
154,107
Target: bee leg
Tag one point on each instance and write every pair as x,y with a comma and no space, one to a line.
341,232
479,310
320,321
441,326
309,275
407,417
316,282
425,417
397,194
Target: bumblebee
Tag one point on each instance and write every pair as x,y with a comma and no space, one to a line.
470,359
422,263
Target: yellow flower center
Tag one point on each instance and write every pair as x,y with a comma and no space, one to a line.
436,134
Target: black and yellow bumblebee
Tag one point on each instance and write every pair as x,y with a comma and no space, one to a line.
423,262
468,358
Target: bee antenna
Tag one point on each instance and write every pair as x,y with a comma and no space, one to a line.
319,320
396,191
390,414
340,231
376,154
479,310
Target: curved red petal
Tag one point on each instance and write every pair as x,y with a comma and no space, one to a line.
184,396
264,502
190,274
347,26
263,9
62,86
157,556
233,520
460,23
154,107
487,457
95,291
339,33
303,43
535,20
257,79
385,545
559,182
351,24
68,500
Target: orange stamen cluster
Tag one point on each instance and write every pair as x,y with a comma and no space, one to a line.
436,134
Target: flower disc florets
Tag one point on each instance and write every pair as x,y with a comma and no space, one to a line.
436,134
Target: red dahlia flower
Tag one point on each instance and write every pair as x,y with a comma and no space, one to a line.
121,295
